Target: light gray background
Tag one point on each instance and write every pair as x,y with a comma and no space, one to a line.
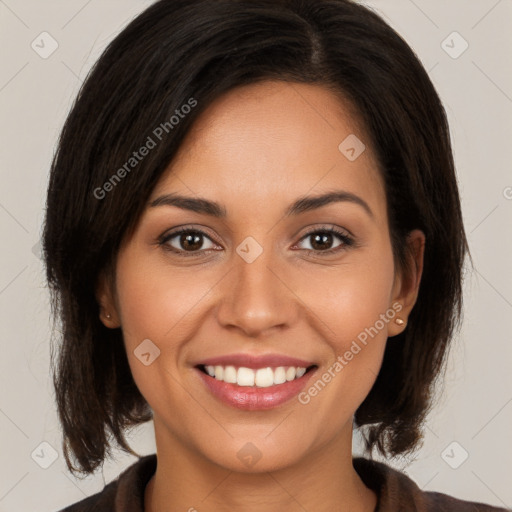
475,409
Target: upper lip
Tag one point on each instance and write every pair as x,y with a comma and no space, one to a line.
255,362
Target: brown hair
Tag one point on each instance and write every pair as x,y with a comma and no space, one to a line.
177,50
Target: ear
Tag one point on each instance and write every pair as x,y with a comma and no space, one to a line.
105,296
407,282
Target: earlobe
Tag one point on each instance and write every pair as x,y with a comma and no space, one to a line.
408,284
107,318
399,322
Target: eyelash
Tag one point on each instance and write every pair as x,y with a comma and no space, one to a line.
346,239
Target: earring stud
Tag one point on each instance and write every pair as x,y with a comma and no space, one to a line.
109,316
399,321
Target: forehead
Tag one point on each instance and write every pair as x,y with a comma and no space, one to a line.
272,142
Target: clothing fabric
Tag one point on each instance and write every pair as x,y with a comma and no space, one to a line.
396,492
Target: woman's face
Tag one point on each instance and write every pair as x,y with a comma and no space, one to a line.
255,283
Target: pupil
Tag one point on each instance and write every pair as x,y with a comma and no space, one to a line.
320,239
191,241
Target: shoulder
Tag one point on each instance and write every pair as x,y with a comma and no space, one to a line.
125,494
103,501
443,502
396,492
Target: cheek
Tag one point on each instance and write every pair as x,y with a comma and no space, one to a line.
155,301
352,299
353,310
156,305
360,302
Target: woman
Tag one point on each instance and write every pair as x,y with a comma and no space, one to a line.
254,238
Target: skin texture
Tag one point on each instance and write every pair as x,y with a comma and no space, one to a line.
255,151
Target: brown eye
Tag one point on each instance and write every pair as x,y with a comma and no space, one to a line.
191,242
187,240
322,240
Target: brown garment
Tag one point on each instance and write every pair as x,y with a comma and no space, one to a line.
396,492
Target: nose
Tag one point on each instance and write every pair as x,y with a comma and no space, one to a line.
256,298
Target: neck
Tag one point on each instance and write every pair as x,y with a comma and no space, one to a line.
325,481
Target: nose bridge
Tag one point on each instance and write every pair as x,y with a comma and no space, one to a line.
255,299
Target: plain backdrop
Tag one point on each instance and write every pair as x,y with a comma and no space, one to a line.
464,45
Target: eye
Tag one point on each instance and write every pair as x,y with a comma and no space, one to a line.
187,240
321,240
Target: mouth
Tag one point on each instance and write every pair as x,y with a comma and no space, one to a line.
242,376
254,389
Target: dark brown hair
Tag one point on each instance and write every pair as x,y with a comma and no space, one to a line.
178,50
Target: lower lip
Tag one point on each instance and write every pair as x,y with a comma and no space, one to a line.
254,398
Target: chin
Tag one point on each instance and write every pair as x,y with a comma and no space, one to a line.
256,456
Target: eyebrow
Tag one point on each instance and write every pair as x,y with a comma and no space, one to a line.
303,204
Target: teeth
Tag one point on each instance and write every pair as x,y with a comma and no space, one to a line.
300,372
230,374
279,375
260,378
245,377
264,377
290,373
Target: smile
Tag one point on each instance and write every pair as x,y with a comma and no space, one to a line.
254,389
259,378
